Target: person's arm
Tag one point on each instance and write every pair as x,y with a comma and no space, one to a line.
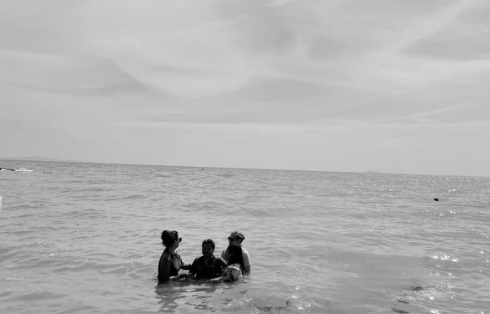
247,270
182,265
164,268
192,269
216,280
185,266
185,276
247,266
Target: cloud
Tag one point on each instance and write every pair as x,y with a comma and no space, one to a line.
463,36
66,74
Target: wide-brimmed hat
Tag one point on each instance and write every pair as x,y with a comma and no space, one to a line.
237,234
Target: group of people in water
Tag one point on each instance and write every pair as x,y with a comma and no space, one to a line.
233,263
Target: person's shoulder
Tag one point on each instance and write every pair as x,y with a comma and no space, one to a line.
166,254
176,253
246,257
197,259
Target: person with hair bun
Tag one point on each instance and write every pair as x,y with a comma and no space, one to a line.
170,262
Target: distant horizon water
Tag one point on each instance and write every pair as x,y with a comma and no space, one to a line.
46,159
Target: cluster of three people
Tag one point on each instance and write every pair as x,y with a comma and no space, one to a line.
233,263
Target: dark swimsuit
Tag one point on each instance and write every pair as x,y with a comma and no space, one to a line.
173,271
213,269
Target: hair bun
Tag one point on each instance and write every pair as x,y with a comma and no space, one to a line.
168,237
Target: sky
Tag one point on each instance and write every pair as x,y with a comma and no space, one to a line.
341,85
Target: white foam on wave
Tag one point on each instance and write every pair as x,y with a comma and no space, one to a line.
24,170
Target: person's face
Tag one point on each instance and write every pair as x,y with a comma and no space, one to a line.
234,240
207,250
177,242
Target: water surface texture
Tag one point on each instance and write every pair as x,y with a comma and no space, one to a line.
80,237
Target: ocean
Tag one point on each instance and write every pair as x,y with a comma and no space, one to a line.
85,238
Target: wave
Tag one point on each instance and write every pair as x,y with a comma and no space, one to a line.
24,170
16,170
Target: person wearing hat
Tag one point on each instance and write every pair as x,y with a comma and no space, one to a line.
170,262
236,254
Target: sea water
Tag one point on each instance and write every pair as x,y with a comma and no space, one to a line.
84,237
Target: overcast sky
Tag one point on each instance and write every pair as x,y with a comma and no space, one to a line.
350,85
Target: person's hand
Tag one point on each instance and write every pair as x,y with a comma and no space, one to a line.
216,280
186,276
175,278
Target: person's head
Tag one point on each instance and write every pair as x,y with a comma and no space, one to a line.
236,238
208,247
170,238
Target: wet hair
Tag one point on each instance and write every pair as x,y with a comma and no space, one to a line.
169,237
237,256
210,242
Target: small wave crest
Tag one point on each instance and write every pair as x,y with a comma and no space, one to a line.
411,301
16,170
248,304
24,170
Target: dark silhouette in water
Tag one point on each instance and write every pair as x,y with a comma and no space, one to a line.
9,169
436,199
236,256
170,262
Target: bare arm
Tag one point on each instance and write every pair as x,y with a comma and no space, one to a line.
182,265
247,265
247,270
